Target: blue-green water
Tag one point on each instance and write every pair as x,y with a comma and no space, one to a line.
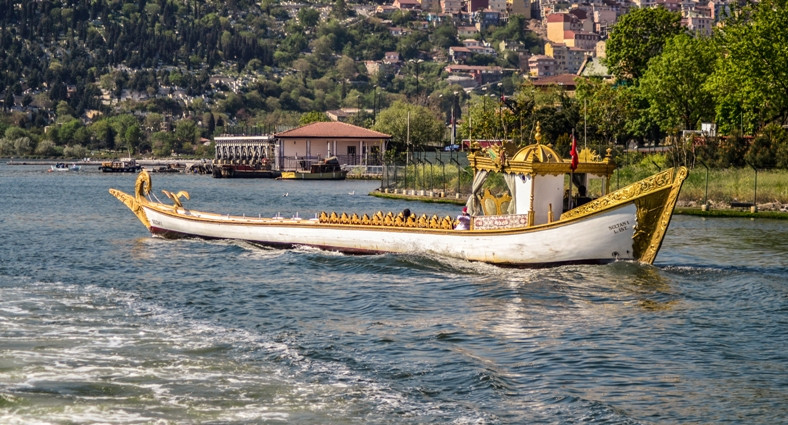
102,323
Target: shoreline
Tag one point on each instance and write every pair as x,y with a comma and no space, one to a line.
143,162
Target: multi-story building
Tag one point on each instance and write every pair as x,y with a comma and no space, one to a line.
499,6
604,18
480,74
698,24
520,7
451,6
467,31
407,4
567,59
431,5
559,23
582,40
476,5
487,17
541,66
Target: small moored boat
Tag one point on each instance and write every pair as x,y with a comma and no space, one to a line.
328,169
62,166
126,165
257,169
529,226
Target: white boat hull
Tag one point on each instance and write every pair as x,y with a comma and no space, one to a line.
600,238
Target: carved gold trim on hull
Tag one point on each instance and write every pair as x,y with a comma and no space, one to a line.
663,221
626,194
133,205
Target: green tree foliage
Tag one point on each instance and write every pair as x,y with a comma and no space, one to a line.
24,146
185,135
339,10
769,148
637,37
484,122
46,148
606,109
517,117
750,83
412,127
312,116
75,151
674,83
162,143
308,17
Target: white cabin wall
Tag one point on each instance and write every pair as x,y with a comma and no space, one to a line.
523,192
548,190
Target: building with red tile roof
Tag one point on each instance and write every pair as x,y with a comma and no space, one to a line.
351,144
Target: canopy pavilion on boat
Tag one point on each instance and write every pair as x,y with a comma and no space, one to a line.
535,177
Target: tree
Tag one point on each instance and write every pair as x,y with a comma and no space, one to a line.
133,137
751,79
312,116
674,82
339,10
605,110
186,133
75,151
637,37
8,101
46,148
64,110
411,127
764,152
162,143
103,135
24,146
308,17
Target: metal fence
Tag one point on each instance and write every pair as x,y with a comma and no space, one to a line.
429,174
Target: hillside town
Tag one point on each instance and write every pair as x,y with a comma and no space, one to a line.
571,41
167,77
574,34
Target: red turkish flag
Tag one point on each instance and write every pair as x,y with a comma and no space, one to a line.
573,153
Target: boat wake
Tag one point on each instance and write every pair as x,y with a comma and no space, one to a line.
97,343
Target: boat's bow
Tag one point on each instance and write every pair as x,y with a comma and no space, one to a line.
141,189
655,197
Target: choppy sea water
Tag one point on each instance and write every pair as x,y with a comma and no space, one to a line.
102,323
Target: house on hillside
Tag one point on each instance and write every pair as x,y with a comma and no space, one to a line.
352,145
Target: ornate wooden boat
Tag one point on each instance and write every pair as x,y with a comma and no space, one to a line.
516,229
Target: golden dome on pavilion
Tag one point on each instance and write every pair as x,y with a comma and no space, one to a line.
536,153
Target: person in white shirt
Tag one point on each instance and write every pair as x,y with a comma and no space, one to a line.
463,220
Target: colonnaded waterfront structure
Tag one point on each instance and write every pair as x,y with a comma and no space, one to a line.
247,149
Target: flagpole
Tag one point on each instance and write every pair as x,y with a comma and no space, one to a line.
572,166
571,169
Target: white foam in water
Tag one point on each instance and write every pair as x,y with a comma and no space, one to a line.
100,355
